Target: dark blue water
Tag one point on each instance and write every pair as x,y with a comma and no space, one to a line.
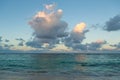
60,66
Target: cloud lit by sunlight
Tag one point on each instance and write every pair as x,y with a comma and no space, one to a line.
79,27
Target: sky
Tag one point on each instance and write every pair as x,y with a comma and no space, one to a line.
59,25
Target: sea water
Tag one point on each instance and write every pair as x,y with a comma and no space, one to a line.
70,66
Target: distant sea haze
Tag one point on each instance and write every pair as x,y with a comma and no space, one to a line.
16,66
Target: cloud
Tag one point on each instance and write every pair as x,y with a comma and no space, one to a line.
96,45
21,43
34,43
113,24
6,40
78,33
93,46
76,37
61,47
79,28
50,6
0,39
50,31
8,46
1,43
4,46
48,27
81,47
117,46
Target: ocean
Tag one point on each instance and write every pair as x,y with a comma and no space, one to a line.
69,66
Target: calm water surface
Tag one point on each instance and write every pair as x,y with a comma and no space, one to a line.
60,66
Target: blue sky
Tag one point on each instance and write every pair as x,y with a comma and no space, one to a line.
15,15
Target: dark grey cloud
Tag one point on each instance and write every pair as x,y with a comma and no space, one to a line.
21,41
38,43
21,44
113,24
93,46
6,40
1,47
96,45
34,43
8,46
74,40
0,38
4,46
81,47
0,43
116,45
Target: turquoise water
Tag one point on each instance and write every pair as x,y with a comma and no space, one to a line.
59,66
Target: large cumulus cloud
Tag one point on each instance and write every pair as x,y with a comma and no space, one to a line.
113,24
48,27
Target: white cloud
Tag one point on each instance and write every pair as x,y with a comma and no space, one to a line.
79,28
50,6
61,48
48,26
